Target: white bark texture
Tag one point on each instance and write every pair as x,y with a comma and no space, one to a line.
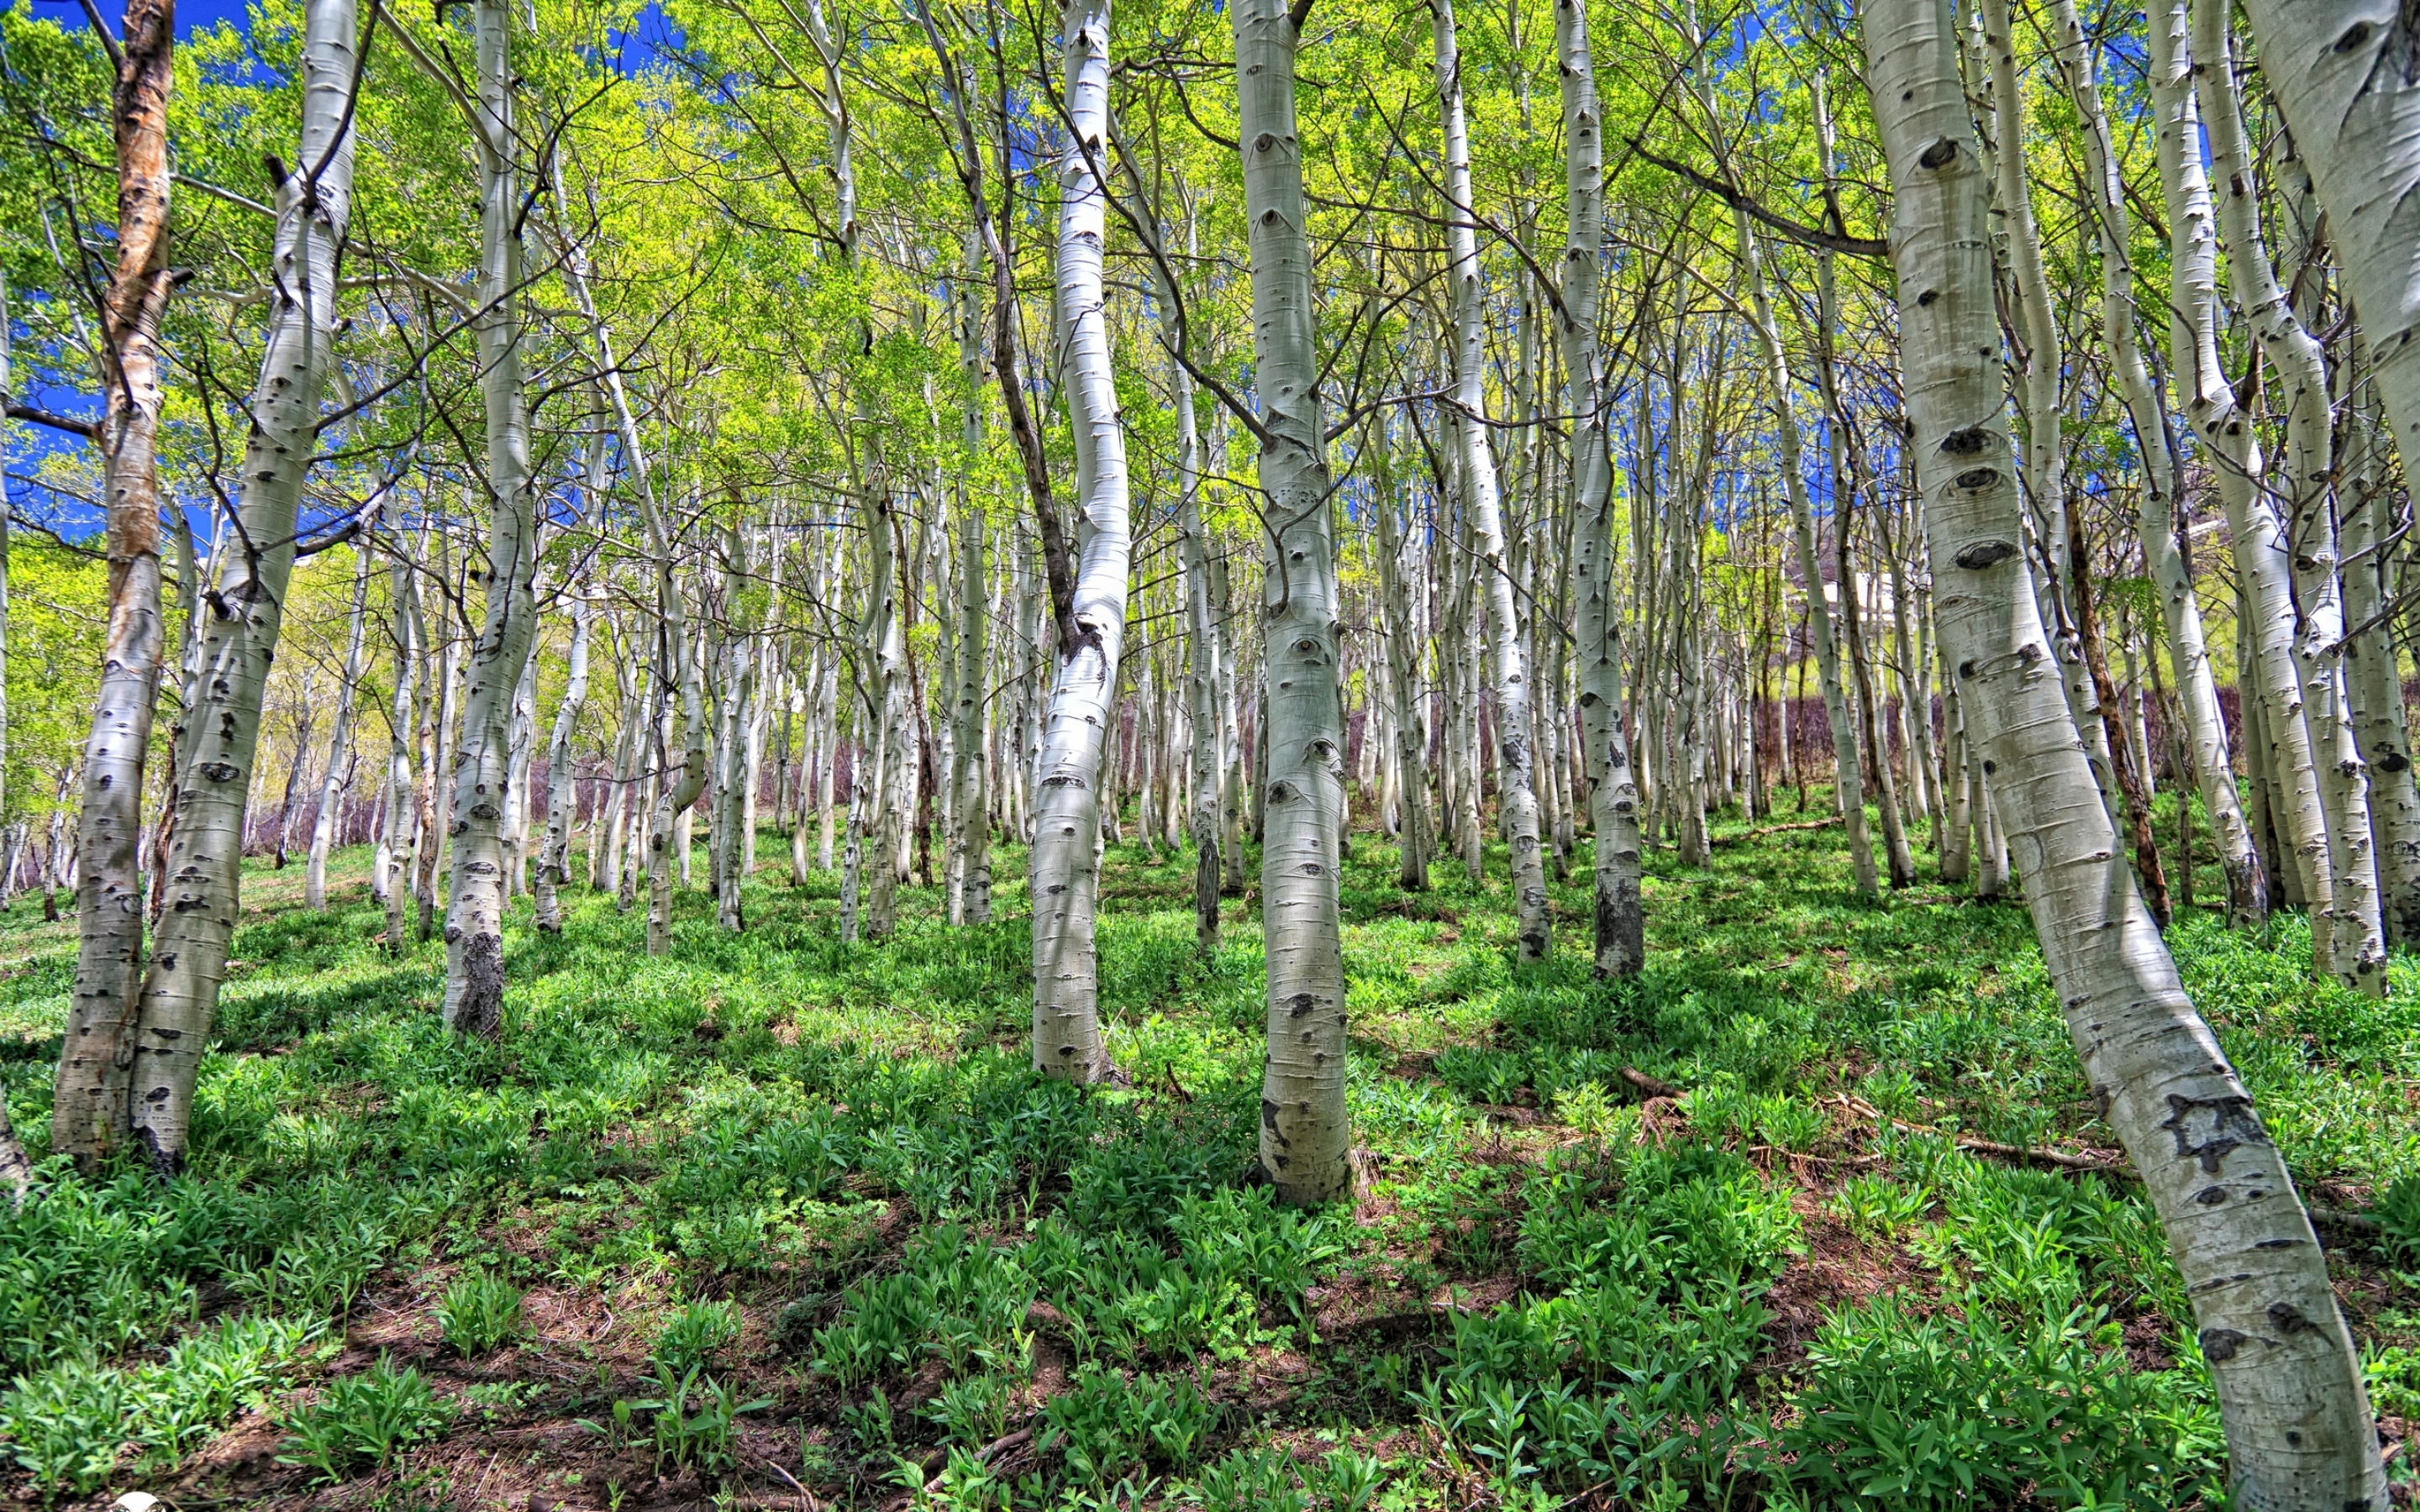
970,781
2289,1387
2345,76
1064,865
335,783
474,932
2192,340
1621,919
88,1110
1304,1132
247,610
2263,553
1518,797
1201,627
562,795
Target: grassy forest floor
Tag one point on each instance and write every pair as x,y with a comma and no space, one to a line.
767,1222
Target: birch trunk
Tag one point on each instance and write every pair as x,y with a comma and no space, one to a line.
1403,649
1304,1132
330,820
2300,1433
1849,779
396,868
1620,922
1533,915
88,1109
2263,554
205,861
475,941
1201,637
562,797
2193,334
970,842
1068,802
2373,676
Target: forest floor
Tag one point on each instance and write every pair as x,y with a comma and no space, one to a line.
767,1222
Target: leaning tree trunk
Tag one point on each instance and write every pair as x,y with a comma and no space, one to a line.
2300,1433
1064,868
474,929
1533,915
1613,788
2263,550
562,796
204,859
1305,1134
329,821
88,1110
2193,329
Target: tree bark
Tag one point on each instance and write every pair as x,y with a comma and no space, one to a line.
1304,1132
1068,803
333,787
89,1111
561,791
2193,334
1533,913
475,938
1620,921
2300,1433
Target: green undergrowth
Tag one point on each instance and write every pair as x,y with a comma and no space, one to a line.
769,1213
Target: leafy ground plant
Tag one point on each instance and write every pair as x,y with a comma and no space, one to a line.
371,1418
480,1313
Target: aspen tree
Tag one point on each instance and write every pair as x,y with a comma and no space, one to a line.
562,795
1200,625
1064,870
2289,1387
88,1109
2192,340
475,966
336,782
1620,922
1304,1132
2262,546
181,988
970,899
1518,796
2344,77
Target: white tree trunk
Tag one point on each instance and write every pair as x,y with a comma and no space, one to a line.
2263,551
1304,1132
562,795
1620,921
205,860
475,941
1849,776
1533,913
88,1107
334,786
2289,1387
970,778
2193,338
1068,803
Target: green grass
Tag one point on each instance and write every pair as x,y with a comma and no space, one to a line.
766,1209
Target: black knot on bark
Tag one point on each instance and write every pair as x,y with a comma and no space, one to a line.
1939,154
1965,441
1984,554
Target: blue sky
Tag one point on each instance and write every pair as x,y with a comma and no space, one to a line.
189,13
